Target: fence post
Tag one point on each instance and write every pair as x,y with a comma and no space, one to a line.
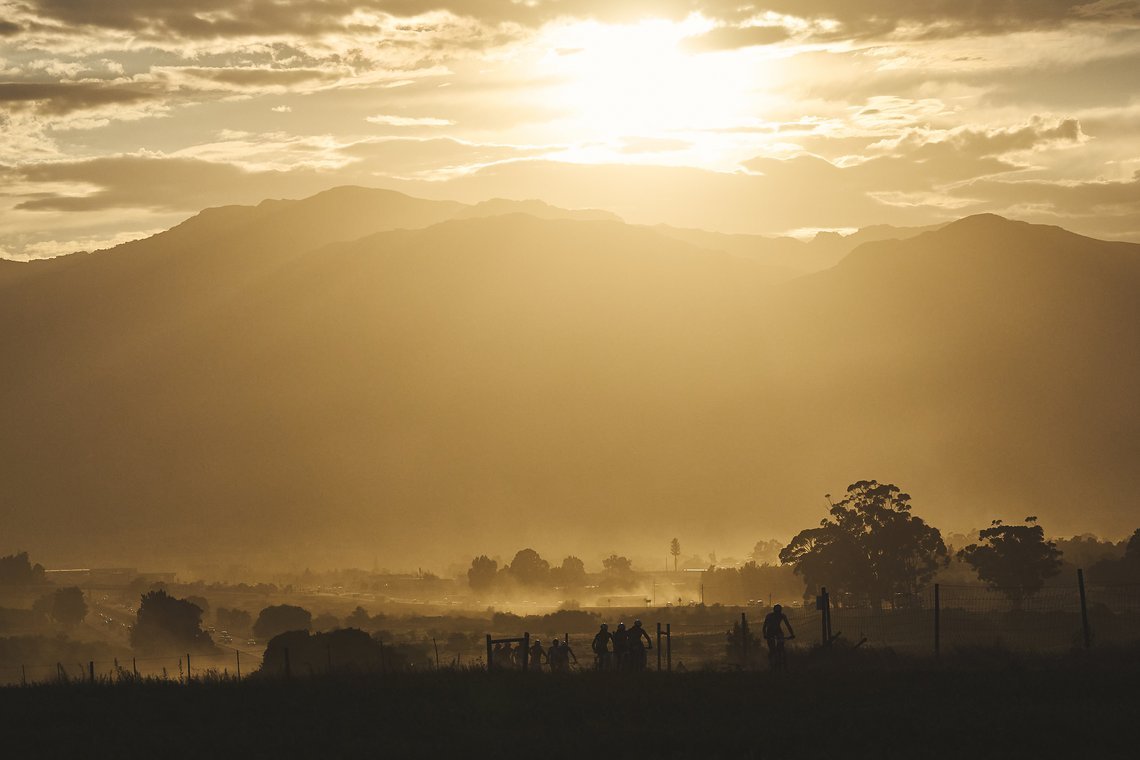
237,654
1084,608
135,666
823,615
490,663
187,667
827,615
288,670
659,647
937,620
669,644
91,671
743,640
436,652
526,651
23,676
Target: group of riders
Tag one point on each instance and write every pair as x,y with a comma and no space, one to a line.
556,658
624,649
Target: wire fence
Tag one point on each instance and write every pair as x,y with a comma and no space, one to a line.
939,619
177,668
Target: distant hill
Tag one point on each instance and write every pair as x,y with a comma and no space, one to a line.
363,373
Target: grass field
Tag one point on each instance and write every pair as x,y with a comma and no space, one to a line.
853,704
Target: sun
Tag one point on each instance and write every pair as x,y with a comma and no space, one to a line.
616,82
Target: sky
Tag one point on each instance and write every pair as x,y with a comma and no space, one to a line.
120,119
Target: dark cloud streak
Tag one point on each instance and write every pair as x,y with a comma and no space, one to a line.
858,19
61,98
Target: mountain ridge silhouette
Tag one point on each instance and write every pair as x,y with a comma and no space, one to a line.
259,396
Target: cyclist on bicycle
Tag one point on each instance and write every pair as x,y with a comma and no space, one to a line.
773,632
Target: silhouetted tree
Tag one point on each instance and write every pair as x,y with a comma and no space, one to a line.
326,622
168,625
1123,570
571,573
17,570
346,649
529,569
618,572
235,621
675,550
873,547
359,618
280,618
201,603
1015,559
481,576
766,552
68,608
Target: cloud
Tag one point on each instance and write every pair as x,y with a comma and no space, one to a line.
60,98
733,37
156,183
1063,198
251,78
408,121
855,19
9,29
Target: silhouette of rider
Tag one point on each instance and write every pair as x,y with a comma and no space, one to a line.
565,655
773,632
537,655
636,649
601,646
621,647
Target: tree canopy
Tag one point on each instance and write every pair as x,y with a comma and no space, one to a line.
872,546
165,625
481,575
1013,558
280,618
529,569
18,570
68,607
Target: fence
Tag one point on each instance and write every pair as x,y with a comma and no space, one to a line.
939,619
176,668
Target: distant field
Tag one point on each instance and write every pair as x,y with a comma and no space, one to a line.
982,703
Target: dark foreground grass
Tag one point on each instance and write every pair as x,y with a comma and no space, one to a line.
979,704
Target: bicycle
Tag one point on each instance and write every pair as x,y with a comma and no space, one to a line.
777,655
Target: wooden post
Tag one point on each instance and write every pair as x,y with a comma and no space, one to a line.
1084,608
659,647
91,671
135,666
669,650
823,615
937,620
237,654
288,669
490,654
526,651
827,614
187,667
436,652
23,676
743,640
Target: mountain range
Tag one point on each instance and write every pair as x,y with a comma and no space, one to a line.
362,373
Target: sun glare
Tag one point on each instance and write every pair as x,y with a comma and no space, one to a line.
614,83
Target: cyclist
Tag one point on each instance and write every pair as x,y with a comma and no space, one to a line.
773,631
